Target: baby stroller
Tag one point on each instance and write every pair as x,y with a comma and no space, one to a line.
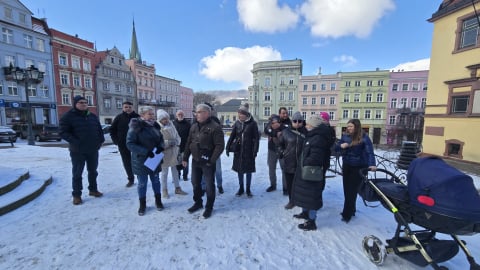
438,198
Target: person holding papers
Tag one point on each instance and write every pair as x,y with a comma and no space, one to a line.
145,140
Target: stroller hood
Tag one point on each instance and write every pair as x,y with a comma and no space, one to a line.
452,191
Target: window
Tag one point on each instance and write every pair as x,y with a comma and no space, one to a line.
356,113
357,83
290,81
117,87
7,35
305,87
356,97
32,90
1,88
393,103
290,96
266,96
282,95
405,87
459,104
62,59
88,82
380,83
66,99
314,101
346,98
304,101
378,114
8,13
304,115
106,86
129,89
23,18
314,87
290,110
28,63
40,44
12,88
75,62
323,87
266,111
120,62
118,103
333,86
107,103
369,83
347,84
413,103
345,114
367,114
391,120
331,115
267,81
42,67
28,41
332,100
395,87
469,33
424,103
64,79
414,86
368,97
86,65
112,60
425,87
76,80
323,101
379,97
403,102
44,91
9,59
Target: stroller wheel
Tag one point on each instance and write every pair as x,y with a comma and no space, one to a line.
374,249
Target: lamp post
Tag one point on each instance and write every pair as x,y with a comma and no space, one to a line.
33,76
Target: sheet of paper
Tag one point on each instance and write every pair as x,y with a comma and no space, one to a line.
152,162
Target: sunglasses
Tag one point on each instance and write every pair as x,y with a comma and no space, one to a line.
297,121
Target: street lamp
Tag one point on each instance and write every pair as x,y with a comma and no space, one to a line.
33,76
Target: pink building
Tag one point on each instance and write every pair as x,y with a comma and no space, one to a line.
186,101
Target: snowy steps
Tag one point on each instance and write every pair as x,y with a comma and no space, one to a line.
18,187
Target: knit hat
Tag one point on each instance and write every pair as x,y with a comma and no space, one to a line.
209,105
275,117
325,116
315,120
297,116
162,114
76,99
243,109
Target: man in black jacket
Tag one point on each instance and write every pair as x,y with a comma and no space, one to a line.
183,128
118,133
84,134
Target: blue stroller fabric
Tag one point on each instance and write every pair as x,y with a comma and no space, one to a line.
453,191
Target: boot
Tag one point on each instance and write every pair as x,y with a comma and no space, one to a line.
302,215
249,192
179,191
309,225
165,194
289,205
239,192
143,206
158,202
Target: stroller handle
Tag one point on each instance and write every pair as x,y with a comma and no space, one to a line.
364,171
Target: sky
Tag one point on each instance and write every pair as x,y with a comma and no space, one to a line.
212,45
243,233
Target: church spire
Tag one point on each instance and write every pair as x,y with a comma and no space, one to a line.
134,50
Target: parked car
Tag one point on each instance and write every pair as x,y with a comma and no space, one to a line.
7,134
40,132
106,128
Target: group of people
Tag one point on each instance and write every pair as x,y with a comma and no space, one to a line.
302,147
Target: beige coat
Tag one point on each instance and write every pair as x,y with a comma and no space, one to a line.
171,152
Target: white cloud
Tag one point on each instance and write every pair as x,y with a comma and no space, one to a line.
337,18
422,64
266,16
233,64
346,60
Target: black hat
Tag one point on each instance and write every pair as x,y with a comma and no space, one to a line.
275,117
77,99
209,105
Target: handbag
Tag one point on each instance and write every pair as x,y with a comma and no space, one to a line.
235,146
312,173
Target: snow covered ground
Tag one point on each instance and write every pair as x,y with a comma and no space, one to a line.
243,233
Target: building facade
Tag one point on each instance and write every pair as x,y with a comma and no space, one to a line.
167,93
186,101
363,95
452,113
407,97
25,42
73,69
319,93
275,85
115,84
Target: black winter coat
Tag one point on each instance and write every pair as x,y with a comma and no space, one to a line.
82,131
272,136
245,135
204,138
119,127
291,144
308,194
141,139
183,128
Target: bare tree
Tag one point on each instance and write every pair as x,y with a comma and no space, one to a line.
201,97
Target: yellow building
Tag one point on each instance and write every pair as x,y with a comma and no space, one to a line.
452,114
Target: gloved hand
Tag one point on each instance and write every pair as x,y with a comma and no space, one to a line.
227,153
159,150
150,154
